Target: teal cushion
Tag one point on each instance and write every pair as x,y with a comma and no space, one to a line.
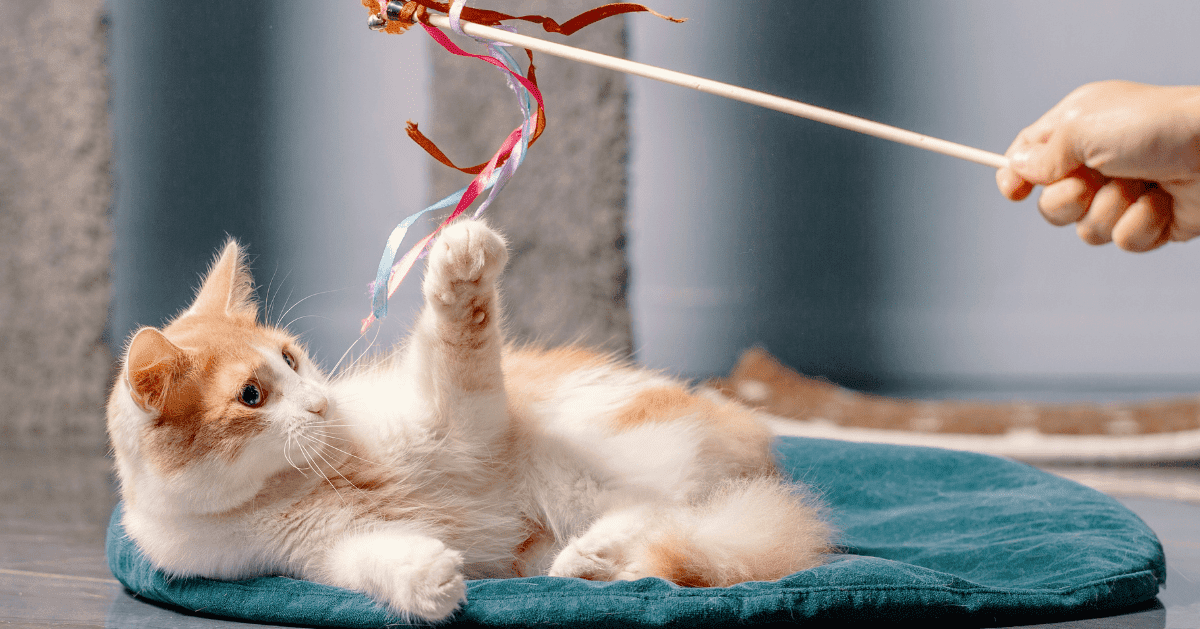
929,535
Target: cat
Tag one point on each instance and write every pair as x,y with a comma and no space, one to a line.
455,456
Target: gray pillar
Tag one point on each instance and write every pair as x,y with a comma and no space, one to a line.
190,120
752,227
564,211
55,240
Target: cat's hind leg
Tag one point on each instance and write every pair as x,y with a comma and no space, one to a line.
758,529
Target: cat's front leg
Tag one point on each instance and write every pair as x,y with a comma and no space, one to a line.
458,338
415,576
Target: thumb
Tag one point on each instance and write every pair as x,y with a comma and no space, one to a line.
1043,158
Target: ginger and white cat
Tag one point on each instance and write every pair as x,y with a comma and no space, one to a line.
453,457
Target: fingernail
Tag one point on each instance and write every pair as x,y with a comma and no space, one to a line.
1007,180
1019,159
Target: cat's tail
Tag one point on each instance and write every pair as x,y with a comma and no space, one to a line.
756,529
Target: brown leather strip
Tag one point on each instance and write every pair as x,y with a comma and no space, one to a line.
435,152
587,18
478,16
424,142
491,18
541,113
531,74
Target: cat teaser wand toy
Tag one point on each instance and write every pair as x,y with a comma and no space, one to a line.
402,15
762,99
494,173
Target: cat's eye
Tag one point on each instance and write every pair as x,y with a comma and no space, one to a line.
290,360
251,396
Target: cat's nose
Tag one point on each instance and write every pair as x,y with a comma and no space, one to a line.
318,405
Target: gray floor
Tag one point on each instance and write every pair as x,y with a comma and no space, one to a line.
56,507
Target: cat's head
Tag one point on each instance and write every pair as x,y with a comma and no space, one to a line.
207,409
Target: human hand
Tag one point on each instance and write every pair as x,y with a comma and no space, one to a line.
1119,159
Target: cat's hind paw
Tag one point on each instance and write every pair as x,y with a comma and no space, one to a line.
603,552
599,563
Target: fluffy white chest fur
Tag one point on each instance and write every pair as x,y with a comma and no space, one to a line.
453,457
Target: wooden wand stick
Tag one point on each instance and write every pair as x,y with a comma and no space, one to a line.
795,108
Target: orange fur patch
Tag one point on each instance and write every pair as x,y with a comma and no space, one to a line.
569,358
530,372
199,414
539,540
744,437
530,364
658,405
681,562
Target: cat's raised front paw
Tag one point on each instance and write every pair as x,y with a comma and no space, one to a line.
465,259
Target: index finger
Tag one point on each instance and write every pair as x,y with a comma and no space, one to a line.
1012,185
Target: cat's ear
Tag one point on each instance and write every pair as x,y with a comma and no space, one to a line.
152,364
228,288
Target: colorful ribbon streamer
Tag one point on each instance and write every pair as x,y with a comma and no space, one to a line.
512,152
416,11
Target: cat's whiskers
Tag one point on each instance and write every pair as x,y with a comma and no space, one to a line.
345,353
304,453
323,426
366,351
328,430
317,468
267,297
356,488
358,359
291,439
325,435
325,423
288,457
288,325
285,312
333,447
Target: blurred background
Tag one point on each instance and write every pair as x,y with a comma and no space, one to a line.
676,226
881,266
